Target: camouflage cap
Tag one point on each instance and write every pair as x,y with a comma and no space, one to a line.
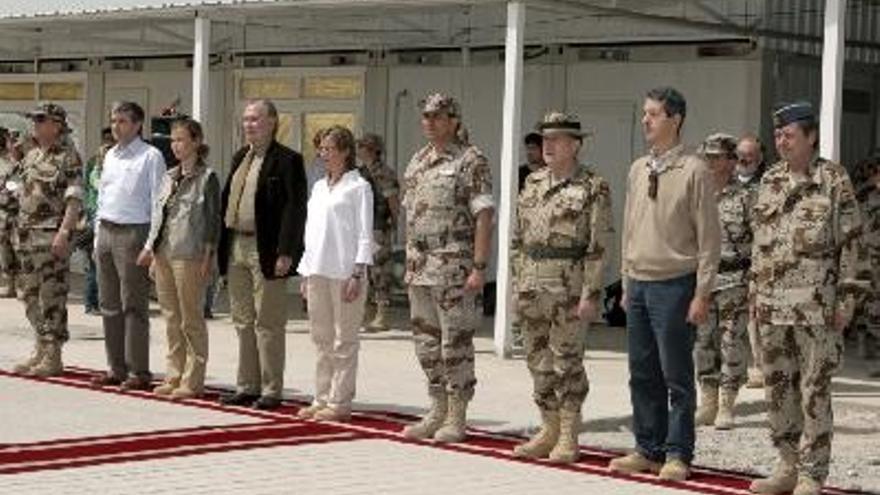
51,111
556,122
373,141
801,111
436,102
718,144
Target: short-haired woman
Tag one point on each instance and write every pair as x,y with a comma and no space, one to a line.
338,248
183,238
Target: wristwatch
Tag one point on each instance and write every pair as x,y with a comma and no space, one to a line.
480,266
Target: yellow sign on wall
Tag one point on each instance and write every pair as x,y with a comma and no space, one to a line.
52,91
273,88
333,87
17,91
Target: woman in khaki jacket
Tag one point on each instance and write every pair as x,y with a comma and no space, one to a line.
183,239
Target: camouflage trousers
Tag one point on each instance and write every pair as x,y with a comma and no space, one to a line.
722,349
799,362
443,321
381,278
867,318
8,260
44,280
554,345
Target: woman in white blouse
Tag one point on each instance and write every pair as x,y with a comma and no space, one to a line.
338,248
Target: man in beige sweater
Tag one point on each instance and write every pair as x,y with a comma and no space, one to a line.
670,252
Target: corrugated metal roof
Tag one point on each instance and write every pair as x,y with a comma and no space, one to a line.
10,9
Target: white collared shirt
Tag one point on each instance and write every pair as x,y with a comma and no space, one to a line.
130,182
339,228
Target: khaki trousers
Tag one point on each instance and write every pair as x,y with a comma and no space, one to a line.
259,313
334,328
181,289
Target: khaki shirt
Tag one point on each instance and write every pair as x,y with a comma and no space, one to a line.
48,181
562,231
807,258
246,208
678,232
735,203
444,190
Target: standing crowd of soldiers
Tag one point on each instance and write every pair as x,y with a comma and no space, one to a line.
724,260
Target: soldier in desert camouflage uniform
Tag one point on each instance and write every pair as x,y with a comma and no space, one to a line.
721,351
50,198
562,230
386,191
807,271
449,208
867,320
8,213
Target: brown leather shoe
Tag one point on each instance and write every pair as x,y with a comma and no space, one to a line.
136,383
106,380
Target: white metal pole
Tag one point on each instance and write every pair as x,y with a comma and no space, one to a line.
511,126
833,56
201,69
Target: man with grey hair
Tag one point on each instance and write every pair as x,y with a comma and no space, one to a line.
130,183
264,205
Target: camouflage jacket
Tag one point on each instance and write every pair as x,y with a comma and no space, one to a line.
9,171
49,179
734,214
561,233
869,199
385,185
444,190
807,257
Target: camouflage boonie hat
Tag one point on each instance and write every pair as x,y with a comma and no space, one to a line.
373,141
794,112
51,111
718,144
436,102
561,123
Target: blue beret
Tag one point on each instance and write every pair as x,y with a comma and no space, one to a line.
794,112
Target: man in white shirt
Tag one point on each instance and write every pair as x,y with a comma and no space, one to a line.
129,185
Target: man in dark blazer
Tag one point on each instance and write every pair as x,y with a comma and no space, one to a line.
264,205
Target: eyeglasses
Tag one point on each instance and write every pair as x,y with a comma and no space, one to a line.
653,182
39,118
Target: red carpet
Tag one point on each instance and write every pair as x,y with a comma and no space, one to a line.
281,427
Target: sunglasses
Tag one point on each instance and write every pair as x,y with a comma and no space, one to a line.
653,182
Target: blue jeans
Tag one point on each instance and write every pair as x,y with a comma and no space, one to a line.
661,367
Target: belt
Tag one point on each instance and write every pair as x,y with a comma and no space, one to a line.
425,242
241,233
736,265
541,252
114,225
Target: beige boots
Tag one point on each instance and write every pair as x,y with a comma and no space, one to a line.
540,445
428,426
783,480
453,429
557,440
708,409
379,323
715,410
45,360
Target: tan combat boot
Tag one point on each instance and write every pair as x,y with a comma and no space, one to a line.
783,480
567,450
9,292
724,419
380,320
540,445
453,429
807,486
50,364
756,378
431,422
633,463
708,406
36,356
674,470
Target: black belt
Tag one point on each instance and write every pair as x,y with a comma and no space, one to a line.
737,265
540,252
114,225
241,233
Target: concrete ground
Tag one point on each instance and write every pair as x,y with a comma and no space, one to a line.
390,379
